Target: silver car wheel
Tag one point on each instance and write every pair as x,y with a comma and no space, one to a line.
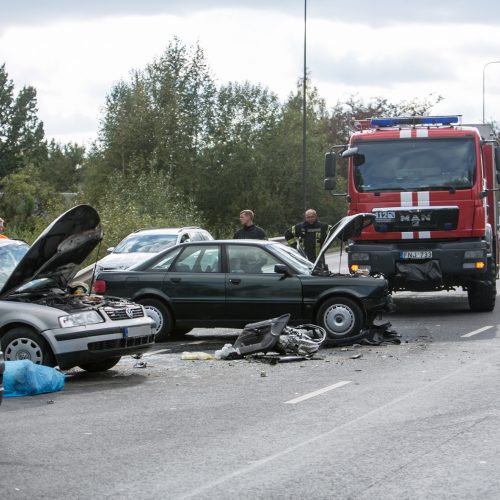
23,348
339,319
156,316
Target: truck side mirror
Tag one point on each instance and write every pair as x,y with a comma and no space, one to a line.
330,171
330,184
330,165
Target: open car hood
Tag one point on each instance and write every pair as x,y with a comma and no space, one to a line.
59,251
345,229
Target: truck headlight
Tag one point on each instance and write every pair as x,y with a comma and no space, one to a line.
80,319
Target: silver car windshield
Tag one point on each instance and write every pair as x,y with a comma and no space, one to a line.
11,254
146,243
290,254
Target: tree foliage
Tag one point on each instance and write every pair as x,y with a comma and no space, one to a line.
21,132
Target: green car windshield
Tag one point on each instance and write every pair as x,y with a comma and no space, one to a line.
290,254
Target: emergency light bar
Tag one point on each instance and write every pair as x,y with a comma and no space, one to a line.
415,120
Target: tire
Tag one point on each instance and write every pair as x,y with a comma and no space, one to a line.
100,366
161,315
342,318
482,294
24,343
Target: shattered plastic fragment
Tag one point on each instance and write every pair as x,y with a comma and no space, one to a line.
196,356
227,352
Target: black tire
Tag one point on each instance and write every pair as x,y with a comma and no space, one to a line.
343,319
161,315
482,294
24,343
100,366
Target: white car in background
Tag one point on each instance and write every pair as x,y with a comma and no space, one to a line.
144,243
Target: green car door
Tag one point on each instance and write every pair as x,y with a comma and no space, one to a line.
195,284
254,291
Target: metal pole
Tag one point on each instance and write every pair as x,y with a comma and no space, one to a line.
484,69
304,116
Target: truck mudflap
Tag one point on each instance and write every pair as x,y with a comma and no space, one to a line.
419,275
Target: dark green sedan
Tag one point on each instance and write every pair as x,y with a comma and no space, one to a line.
229,283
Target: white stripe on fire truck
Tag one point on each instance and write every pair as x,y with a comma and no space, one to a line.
423,200
406,201
422,132
405,133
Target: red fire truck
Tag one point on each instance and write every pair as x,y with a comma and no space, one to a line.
432,185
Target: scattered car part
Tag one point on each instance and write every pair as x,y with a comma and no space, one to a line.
273,335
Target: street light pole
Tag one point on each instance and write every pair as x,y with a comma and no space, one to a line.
304,117
484,69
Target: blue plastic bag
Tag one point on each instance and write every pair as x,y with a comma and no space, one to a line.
25,378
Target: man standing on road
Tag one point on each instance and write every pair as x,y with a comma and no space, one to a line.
249,231
310,235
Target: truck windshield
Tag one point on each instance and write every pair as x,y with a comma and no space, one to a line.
415,164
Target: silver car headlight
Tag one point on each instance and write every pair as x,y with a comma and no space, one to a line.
80,319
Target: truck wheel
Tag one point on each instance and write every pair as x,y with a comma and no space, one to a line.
24,343
100,366
482,294
161,315
342,318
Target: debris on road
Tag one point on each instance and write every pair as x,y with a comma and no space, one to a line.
141,364
380,334
196,356
273,335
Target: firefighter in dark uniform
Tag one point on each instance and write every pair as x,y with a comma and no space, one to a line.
309,235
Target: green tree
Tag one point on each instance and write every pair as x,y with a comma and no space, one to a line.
233,173
21,132
62,168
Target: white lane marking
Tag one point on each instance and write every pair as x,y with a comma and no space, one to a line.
196,342
156,352
318,392
475,332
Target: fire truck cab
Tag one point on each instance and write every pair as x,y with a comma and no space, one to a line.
432,185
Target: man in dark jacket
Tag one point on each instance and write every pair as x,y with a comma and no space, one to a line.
310,235
249,231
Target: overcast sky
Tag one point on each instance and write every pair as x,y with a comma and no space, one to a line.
73,52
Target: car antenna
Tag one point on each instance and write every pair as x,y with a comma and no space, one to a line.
94,268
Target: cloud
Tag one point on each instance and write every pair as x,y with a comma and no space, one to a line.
363,11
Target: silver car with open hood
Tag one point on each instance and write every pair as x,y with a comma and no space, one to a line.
41,321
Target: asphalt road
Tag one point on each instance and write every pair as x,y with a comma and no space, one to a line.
415,420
